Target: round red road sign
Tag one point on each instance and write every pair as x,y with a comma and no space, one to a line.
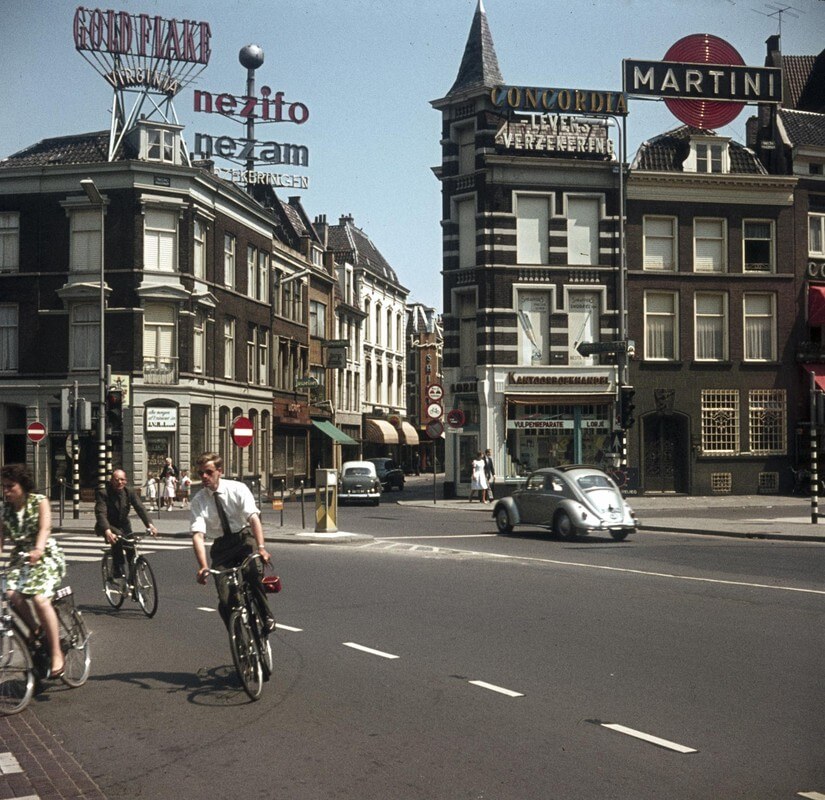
434,429
242,431
36,431
455,418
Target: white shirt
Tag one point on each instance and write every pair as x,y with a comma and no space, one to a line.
237,500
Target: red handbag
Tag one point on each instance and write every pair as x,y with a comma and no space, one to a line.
271,584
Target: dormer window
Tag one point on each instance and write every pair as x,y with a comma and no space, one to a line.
158,142
160,146
708,156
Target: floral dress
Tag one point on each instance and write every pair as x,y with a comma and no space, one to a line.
20,527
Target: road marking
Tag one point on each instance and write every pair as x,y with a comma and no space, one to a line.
604,568
288,628
443,536
679,748
812,795
355,646
9,764
493,688
204,608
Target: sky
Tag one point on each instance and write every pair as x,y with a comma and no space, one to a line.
367,71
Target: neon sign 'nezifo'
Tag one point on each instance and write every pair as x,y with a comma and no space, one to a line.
121,33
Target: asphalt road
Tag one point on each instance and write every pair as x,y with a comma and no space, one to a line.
440,661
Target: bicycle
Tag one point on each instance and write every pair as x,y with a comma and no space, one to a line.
248,637
139,583
24,655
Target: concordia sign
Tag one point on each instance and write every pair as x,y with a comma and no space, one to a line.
533,100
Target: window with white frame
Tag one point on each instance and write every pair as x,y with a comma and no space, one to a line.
720,421
263,277
160,240
263,357
816,234
757,245
9,241
768,422
710,156
760,327
466,217
159,350
160,145
252,355
661,326
317,319
84,336
367,319
533,228
251,271
8,338
378,310
199,249
229,347
710,245
84,253
711,326
389,329
229,260
659,244
199,342
583,230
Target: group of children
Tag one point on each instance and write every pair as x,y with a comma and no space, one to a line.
164,488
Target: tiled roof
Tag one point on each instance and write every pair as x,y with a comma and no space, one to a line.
803,128
82,148
667,152
795,71
479,66
295,218
349,242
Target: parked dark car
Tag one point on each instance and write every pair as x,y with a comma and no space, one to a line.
359,482
389,473
571,500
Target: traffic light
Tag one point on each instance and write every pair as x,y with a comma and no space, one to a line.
626,407
65,409
114,407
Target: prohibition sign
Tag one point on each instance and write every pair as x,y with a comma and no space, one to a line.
36,431
242,431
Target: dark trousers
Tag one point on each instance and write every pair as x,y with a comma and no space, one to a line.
229,551
118,555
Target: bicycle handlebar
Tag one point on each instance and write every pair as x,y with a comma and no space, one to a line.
237,568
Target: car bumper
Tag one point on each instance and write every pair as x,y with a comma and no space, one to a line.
358,496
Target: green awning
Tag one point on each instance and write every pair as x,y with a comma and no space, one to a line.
334,433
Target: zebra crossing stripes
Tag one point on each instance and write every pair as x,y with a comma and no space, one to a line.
79,547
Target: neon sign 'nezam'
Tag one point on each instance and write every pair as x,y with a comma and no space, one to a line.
121,33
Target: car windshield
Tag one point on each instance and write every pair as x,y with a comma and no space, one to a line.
352,471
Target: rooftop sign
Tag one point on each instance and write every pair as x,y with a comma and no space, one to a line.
534,100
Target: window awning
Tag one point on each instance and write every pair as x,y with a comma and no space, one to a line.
816,305
334,433
410,433
380,431
818,371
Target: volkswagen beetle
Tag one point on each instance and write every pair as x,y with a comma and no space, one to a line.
570,500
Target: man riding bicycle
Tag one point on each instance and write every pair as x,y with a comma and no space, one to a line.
112,505
226,510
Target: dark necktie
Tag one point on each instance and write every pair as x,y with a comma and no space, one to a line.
222,514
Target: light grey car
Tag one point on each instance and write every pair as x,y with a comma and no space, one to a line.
571,500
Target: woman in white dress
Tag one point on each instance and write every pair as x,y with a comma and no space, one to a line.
478,482
152,492
170,490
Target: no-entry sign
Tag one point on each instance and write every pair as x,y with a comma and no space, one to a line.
36,431
242,431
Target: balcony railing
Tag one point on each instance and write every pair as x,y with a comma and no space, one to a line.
160,371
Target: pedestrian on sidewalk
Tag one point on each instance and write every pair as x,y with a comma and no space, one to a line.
185,488
152,493
489,474
478,482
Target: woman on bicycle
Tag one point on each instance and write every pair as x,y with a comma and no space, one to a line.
37,565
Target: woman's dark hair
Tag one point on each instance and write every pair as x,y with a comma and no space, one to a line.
18,473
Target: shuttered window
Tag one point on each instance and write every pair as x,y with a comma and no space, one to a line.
160,239
660,244
532,229
583,230
85,246
9,241
159,335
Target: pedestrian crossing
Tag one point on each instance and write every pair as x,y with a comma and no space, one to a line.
80,547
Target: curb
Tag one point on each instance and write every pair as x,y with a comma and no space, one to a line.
777,537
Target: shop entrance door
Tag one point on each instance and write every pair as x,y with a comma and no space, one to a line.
666,450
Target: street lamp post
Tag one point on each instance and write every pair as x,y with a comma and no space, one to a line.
96,199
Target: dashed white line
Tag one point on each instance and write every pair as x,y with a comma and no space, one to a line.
442,536
288,628
369,650
679,748
500,689
9,764
812,795
204,608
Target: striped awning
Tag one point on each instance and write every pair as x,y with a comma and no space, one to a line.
379,431
409,432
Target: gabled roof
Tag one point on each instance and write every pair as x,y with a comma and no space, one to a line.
479,66
81,148
349,243
668,151
802,128
795,72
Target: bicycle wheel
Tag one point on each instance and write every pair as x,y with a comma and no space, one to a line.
74,641
16,673
112,587
146,592
245,655
262,640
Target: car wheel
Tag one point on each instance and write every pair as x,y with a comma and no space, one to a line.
563,526
619,536
503,521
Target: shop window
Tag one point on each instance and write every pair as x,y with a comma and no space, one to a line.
710,245
711,327
720,422
660,244
8,338
760,327
661,326
10,241
532,228
582,324
767,422
757,245
160,240
583,230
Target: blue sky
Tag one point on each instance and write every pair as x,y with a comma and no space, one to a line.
367,70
